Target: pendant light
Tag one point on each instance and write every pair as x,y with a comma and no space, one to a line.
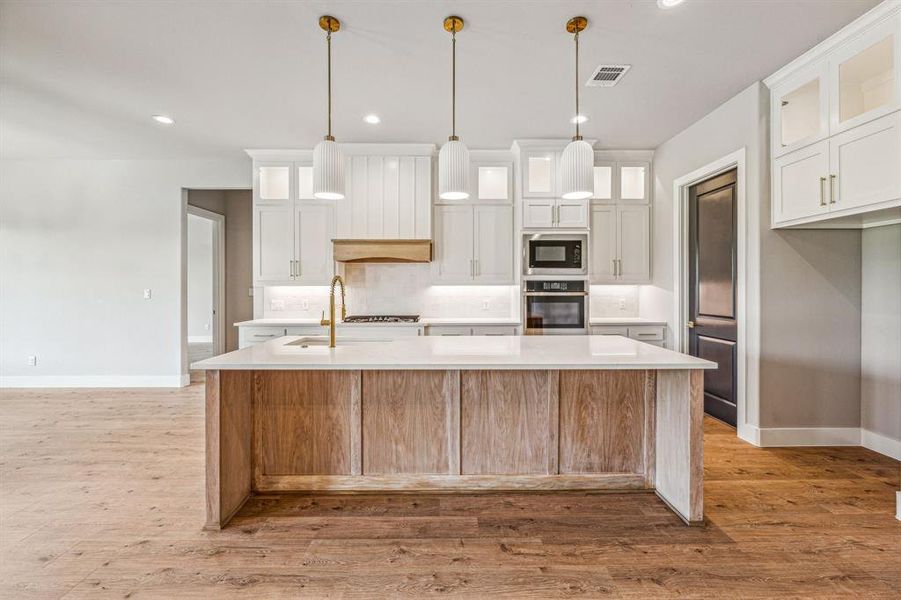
328,162
453,159
577,169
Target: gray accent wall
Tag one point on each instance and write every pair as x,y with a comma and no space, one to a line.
809,281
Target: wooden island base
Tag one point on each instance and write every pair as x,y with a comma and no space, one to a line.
427,430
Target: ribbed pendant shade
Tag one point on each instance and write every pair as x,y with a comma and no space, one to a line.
328,171
453,171
577,171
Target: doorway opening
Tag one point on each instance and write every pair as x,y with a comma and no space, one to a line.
217,278
745,279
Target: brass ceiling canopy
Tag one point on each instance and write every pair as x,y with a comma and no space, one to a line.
329,23
453,24
576,24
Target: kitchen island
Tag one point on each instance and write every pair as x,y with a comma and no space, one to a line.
453,413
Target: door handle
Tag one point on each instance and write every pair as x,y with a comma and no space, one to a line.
291,263
690,324
831,189
478,268
614,267
822,191
471,268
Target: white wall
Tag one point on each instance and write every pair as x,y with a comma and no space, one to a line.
200,279
79,242
809,281
880,337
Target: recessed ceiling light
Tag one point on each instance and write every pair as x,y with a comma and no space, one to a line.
164,119
578,119
372,119
668,3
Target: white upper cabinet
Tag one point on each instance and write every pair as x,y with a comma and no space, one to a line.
572,214
620,244
273,183
493,182
864,77
634,182
539,173
273,244
604,172
553,213
305,182
493,239
473,244
314,228
836,127
800,109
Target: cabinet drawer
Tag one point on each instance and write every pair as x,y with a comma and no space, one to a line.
609,330
262,334
307,330
452,330
646,333
502,330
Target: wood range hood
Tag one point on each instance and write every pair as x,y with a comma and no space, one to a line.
383,251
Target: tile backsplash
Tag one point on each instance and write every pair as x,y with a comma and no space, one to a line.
401,289
614,301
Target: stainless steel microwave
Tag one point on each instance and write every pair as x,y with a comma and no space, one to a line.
555,254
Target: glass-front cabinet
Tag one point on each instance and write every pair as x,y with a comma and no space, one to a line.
864,74
800,109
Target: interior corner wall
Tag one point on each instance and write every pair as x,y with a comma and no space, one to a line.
880,358
79,242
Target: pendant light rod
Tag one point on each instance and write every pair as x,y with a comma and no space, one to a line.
329,24
453,24
574,26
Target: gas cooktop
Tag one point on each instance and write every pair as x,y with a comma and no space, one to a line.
382,319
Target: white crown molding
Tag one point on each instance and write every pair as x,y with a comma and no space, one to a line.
878,13
545,144
98,381
624,155
349,148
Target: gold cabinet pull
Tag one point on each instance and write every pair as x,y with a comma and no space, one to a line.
822,191
831,189
690,324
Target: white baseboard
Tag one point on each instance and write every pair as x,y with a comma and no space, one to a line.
749,433
94,381
809,436
880,443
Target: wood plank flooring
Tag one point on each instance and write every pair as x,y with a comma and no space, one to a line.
101,496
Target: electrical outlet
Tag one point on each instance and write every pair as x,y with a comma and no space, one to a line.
277,304
250,292
622,304
147,293
32,361
486,304
305,304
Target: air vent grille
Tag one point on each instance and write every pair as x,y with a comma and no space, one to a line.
607,75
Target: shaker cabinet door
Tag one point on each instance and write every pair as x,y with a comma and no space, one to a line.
603,244
314,230
453,244
273,251
633,244
865,164
800,182
493,244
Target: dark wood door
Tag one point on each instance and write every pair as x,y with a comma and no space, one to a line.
711,298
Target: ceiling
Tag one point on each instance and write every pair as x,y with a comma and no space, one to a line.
82,78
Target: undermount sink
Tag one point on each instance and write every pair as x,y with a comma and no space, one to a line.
318,342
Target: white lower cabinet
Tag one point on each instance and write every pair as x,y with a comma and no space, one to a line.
551,213
473,244
292,243
649,334
620,244
849,173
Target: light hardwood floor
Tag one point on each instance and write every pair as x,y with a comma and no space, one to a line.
102,496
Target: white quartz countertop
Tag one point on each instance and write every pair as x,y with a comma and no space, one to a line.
623,321
423,321
451,352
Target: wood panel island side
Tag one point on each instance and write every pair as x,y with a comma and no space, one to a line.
453,413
